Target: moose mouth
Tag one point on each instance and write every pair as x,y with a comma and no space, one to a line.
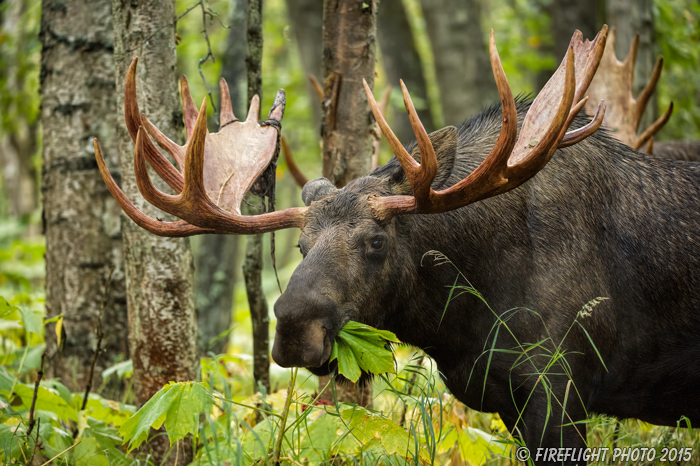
307,346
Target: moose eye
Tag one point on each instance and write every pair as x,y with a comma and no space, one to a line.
376,250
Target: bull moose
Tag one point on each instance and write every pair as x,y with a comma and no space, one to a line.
598,220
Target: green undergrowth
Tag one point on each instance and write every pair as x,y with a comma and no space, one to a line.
412,420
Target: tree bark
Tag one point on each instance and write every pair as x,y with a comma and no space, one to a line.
83,240
159,271
630,17
349,50
252,268
216,259
402,62
461,58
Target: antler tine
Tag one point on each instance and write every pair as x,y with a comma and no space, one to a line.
631,59
491,172
194,159
171,148
578,135
423,178
645,94
574,111
226,115
588,55
171,229
277,110
163,201
189,109
131,105
292,164
254,110
653,129
132,116
410,166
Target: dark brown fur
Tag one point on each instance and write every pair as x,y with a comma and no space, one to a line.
600,220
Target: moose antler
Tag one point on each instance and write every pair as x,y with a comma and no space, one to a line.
511,162
216,170
614,82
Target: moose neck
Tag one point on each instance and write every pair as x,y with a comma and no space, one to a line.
484,246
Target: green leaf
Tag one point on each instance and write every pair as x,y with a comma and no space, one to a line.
367,426
359,347
6,308
33,320
176,405
348,365
46,400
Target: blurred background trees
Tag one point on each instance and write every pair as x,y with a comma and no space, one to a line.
439,48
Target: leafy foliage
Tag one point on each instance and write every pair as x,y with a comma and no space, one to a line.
677,24
359,347
177,405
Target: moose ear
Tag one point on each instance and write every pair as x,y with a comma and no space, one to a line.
445,145
316,189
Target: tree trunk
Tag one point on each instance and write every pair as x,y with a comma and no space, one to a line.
306,18
461,58
349,49
401,61
159,271
216,259
630,17
83,241
252,268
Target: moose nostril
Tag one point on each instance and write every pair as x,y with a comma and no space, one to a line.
301,345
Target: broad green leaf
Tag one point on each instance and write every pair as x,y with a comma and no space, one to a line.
475,446
6,308
373,358
109,411
175,405
46,400
359,347
318,437
6,380
33,320
86,453
348,364
367,426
